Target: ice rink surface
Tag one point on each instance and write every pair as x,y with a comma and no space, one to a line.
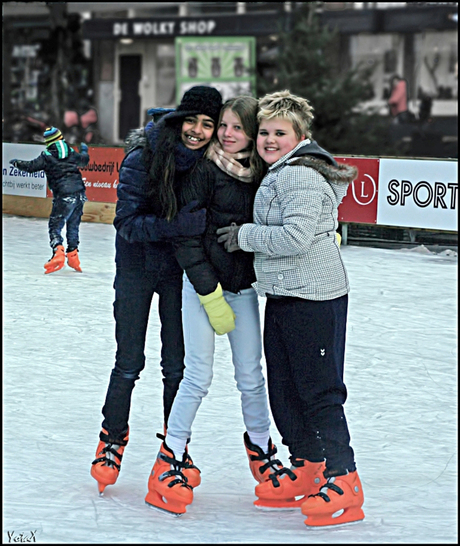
58,352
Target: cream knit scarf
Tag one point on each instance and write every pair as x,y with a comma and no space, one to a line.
229,162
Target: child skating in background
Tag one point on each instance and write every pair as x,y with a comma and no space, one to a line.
300,271
61,165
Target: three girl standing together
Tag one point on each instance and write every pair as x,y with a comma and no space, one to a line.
286,228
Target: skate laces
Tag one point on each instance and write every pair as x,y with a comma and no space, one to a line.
324,489
281,473
188,462
272,463
176,470
110,451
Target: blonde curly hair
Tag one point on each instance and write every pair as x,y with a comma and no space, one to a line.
283,104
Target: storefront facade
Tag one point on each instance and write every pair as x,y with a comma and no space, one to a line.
131,59
139,59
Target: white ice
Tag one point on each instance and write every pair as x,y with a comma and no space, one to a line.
59,346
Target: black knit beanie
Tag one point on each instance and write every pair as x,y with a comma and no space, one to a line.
200,99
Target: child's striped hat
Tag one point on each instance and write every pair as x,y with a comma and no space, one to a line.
52,135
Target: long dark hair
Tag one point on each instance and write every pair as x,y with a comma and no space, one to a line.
162,167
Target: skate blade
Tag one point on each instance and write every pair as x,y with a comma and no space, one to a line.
53,268
173,508
163,510
345,517
275,505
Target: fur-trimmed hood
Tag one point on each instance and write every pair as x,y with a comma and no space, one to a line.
312,155
338,174
136,138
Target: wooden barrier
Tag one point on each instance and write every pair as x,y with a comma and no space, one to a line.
41,208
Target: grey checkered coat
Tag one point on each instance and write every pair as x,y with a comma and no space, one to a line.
295,218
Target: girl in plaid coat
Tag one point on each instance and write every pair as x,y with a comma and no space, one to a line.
300,271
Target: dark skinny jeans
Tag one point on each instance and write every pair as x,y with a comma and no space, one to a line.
134,290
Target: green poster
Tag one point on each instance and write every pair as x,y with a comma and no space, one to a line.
228,64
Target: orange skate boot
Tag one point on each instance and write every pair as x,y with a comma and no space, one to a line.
339,501
190,471
109,453
288,488
261,464
73,260
57,261
168,488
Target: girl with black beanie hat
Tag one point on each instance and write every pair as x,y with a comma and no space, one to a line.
156,164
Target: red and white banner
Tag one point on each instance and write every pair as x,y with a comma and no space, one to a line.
415,193
360,203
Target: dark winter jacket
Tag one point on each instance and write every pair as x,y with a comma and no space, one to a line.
226,200
143,239
61,165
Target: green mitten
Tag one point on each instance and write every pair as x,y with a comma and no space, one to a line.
220,314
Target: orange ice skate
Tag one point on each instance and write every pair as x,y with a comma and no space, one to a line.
109,453
338,501
57,261
288,488
168,488
73,260
190,471
261,464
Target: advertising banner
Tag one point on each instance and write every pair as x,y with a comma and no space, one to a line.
228,64
412,193
100,175
360,203
418,194
17,182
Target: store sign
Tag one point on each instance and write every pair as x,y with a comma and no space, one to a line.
161,27
228,64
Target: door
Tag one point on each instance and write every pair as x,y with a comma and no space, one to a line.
130,103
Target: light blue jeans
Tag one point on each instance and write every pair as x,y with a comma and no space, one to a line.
246,346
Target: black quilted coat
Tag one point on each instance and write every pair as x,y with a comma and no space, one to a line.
226,200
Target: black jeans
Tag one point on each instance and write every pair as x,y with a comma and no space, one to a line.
304,343
134,290
66,211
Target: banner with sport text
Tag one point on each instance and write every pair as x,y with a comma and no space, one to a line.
413,193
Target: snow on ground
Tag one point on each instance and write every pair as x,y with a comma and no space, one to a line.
58,349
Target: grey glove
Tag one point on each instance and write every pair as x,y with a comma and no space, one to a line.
229,236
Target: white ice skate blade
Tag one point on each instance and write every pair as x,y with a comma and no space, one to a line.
346,523
162,510
276,508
